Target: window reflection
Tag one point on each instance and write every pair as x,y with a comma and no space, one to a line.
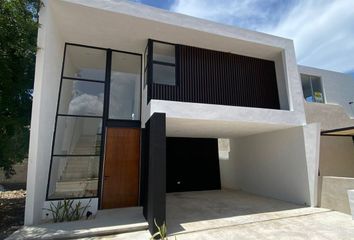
312,88
124,98
164,74
73,177
164,63
81,98
78,130
78,136
85,63
164,52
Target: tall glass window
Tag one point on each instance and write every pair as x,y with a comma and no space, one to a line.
124,97
81,113
312,88
78,130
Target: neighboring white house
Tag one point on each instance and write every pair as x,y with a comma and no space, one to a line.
334,87
334,110
122,88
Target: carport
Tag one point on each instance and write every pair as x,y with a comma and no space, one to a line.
188,181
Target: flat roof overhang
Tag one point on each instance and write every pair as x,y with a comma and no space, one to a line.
339,132
126,26
196,128
219,121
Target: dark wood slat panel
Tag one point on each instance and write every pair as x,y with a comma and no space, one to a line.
212,77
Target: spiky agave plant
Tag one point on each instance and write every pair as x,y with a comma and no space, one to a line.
161,232
66,210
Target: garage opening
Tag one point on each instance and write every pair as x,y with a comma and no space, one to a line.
223,182
192,164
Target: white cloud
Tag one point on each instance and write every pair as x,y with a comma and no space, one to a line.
84,104
243,13
322,30
323,33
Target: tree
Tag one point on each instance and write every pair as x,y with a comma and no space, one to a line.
18,46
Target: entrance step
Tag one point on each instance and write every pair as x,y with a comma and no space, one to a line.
106,222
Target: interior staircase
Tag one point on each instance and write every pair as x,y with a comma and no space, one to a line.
80,174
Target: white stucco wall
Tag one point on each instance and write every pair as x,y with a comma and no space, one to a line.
337,156
282,81
281,164
338,87
334,193
331,116
46,87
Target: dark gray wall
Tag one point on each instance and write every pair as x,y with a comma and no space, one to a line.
192,164
153,171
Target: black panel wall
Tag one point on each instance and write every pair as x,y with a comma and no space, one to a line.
144,170
153,171
192,164
206,76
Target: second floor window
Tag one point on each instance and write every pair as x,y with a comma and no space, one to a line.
163,63
312,88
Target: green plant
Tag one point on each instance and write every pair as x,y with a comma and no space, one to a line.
161,232
18,47
65,211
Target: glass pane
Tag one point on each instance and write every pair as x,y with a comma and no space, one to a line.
163,74
306,87
81,98
73,177
164,52
124,98
146,56
317,89
78,136
83,62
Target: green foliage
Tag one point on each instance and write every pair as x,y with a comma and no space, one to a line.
161,232
66,211
18,37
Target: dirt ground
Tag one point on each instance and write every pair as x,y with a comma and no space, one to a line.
12,207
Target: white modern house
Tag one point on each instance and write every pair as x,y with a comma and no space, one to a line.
129,102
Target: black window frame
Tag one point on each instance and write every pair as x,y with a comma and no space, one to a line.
106,122
134,123
151,62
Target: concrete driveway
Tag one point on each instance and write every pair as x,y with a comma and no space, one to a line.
322,225
239,215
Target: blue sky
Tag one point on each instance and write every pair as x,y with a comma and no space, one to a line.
322,30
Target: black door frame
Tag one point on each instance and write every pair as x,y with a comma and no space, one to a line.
105,121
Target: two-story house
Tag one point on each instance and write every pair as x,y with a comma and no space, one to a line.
130,101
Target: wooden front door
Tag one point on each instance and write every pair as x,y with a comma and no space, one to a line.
121,168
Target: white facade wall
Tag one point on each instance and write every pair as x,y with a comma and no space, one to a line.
334,193
281,164
338,87
331,116
337,156
46,88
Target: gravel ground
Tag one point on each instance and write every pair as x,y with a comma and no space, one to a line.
12,207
